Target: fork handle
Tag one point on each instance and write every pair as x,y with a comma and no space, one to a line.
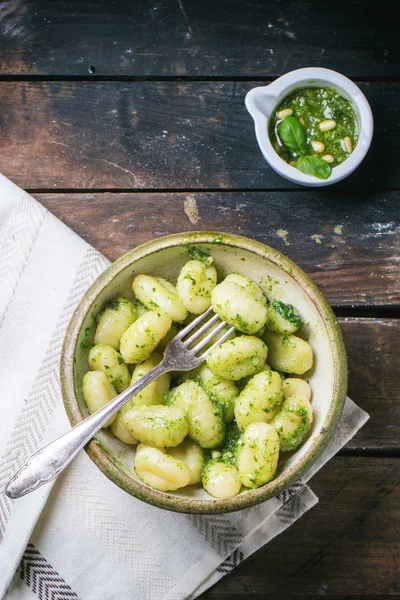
45,464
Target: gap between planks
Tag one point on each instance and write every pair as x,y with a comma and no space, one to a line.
370,452
177,78
186,190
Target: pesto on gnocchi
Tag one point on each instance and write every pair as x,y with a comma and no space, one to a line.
222,425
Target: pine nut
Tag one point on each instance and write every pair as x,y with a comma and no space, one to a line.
292,163
348,146
328,158
286,112
318,146
327,125
302,121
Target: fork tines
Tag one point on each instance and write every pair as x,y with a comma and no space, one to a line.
214,325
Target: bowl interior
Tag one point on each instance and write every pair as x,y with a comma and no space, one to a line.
280,279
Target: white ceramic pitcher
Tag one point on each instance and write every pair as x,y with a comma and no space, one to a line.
262,101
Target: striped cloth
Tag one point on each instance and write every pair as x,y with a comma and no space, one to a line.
82,537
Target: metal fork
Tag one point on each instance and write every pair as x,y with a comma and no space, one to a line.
48,462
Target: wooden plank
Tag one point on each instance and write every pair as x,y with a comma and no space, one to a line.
349,244
372,348
346,547
117,224
206,38
160,135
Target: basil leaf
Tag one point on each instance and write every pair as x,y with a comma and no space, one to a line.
312,165
293,134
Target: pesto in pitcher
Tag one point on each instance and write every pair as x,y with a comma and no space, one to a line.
314,129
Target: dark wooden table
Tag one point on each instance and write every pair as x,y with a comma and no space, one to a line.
126,119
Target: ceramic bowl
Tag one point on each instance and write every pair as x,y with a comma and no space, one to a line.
277,275
262,101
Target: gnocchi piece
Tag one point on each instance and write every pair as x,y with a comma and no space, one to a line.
238,358
193,456
293,422
161,426
114,321
238,307
243,382
260,400
97,392
221,480
154,392
158,294
296,387
195,283
107,359
288,353
120,430
159,470
205,423
257,454
283,318
143,336
248,284
224,391
183,395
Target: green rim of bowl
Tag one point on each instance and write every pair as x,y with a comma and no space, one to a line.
251,497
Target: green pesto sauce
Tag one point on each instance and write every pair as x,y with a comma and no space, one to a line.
196,254
315,105
288,312
290,441
228,451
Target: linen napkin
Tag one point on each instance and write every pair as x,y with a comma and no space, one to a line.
82,537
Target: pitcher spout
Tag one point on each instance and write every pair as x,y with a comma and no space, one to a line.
261,101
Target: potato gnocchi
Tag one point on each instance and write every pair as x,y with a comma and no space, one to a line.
159,470
205,422
238,306
224,424
195,284
114,321
260,400
107,359
143,336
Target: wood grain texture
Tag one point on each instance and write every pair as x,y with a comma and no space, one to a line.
350,245
207,38
344,548
161,135
372,347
